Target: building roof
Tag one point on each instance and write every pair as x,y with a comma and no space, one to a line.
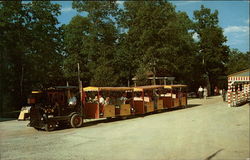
241,73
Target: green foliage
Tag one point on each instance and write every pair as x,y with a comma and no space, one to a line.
30,49
141,75
238,61
213,52
164,39
104,76
111,44
75,37
94,41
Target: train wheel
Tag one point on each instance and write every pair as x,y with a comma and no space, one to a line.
123,117
76,121
48,127
109,118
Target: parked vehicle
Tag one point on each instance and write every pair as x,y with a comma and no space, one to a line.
174,96
63,105
146,99
56,106
107,102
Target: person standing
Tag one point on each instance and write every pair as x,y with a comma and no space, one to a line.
205,93
215,90
200,92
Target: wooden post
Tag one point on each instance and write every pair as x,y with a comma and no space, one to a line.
143,102
68,92
239,99
233,89
21,82
229,93
80,89
154,74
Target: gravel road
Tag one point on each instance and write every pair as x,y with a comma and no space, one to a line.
207,129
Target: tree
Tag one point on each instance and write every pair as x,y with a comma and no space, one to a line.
213,53
164,39
100,43
76,50
12,31
238,61
30,49
44,52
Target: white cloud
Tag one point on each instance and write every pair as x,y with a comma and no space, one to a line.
237,36
68,9
230,29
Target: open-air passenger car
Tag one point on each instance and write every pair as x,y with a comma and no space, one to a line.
66,105
174,96
146,99
107,102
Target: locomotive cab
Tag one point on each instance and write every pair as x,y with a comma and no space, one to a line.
55,107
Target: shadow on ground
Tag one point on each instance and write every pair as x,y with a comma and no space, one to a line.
7,119
117,119
8,116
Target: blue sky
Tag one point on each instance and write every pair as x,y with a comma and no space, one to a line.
233,18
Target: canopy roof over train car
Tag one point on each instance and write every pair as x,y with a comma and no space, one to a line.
141,88
240,76
175,86
36,92
91,88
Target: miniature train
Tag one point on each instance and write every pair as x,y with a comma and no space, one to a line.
67,105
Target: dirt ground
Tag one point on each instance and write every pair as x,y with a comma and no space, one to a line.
207,129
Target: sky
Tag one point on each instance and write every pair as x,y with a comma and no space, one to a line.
233,18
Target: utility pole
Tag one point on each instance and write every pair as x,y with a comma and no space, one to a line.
21,81
154,73
80,88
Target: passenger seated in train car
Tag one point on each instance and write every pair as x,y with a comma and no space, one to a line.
95,100
115,99
89,100
89,97
157,93
147,97
101,100
123,98
180,94
112,100
174,93
107,101
138,97
101,104
130,98
166,93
